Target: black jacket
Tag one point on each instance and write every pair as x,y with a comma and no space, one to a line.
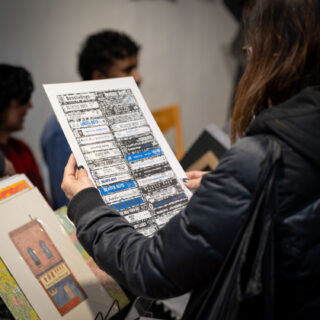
191,247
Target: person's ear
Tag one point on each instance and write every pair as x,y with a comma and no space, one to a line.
98,75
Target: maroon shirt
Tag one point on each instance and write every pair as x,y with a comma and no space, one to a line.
23,161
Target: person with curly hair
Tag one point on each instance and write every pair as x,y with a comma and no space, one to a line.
16,87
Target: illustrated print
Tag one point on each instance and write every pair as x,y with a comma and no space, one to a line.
105,280
13,297
48,266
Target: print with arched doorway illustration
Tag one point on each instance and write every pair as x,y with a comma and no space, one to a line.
48,266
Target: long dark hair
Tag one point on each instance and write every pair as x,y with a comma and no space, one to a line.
284,41
15,83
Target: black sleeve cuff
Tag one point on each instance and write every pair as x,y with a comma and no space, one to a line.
83,202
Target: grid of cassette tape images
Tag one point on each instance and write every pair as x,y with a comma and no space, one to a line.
124,158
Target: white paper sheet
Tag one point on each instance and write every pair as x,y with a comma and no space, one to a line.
112,133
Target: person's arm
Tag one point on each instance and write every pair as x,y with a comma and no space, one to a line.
188,250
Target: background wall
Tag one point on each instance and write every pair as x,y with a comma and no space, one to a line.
185,52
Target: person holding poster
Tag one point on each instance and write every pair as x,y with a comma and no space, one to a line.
278,100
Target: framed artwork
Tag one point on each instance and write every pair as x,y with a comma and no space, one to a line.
13,185
45,264
13,297
105,280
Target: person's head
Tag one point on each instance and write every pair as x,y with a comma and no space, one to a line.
109,54
284,41
16,87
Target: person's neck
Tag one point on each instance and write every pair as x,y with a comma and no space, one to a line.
4,137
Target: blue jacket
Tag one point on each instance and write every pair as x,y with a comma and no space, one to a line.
56,152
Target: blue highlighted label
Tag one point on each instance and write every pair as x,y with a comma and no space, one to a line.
117,187
143,155
127,204
88,122
169,200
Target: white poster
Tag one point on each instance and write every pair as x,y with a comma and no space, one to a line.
112,133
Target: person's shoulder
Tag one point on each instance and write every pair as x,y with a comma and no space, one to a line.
52,124
249,148
18,144
14,141
50,129
243,160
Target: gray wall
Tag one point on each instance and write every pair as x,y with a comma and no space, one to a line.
184,58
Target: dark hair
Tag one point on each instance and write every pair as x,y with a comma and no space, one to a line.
284,37
101,49
15,83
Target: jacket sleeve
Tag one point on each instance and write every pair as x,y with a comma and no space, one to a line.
189,248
